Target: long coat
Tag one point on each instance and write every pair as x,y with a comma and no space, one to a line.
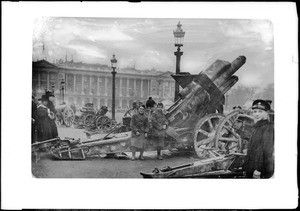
260,151
158,119
33,121
52,122
139,123
43,124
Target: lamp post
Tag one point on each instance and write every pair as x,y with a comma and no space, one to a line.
178,38
113,66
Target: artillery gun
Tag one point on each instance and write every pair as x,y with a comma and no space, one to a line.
196,120
65,115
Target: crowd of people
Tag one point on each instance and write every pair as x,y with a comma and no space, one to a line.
140,128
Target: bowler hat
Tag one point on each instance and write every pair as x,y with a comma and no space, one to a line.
261,104
49,94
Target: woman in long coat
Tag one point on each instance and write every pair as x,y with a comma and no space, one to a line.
159,124
43,121
139,131
259,162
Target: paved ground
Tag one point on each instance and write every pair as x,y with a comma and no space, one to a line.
48,167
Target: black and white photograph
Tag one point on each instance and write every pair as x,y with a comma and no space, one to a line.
112,89
187,100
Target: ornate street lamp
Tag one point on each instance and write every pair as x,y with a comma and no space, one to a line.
113,66
178,38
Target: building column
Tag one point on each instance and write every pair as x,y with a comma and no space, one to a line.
97,84
74,84
149,87
105,86
134,88
82,84
48,80
120,87
142,92
90,91
127,87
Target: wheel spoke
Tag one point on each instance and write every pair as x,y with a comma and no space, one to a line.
203,132
228,139
203,142
210,125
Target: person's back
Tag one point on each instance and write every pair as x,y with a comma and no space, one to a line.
150,103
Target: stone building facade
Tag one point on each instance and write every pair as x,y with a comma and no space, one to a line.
92,83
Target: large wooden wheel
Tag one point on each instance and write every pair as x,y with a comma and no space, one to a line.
233,132
88,120
204,134
103,122
68,117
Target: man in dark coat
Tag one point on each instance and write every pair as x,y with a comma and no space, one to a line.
50,105
150,103
159,124
33,113
43,121
259,162
139,132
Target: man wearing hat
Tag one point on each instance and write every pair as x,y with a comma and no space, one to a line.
159,125
50,105
43,121
259,162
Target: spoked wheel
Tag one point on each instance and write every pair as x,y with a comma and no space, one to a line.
68,117
233,132
88,120
59,118
103,122
204,134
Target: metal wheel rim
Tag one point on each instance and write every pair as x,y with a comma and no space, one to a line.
68,117
205,129
226,126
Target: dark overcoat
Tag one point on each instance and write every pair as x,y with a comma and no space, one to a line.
52,122
33,121
260,151
150,103
139,123
158,119
43,124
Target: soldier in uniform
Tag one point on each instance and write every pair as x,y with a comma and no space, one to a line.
150,103
139,132
50,105
43,121
159,125
259,162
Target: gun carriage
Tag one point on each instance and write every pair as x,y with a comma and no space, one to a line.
92,119
65,115
196,120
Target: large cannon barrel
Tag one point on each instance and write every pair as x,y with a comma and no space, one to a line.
235,65
204,91
228,84
216,69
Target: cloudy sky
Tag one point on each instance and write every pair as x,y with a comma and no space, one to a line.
149,43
